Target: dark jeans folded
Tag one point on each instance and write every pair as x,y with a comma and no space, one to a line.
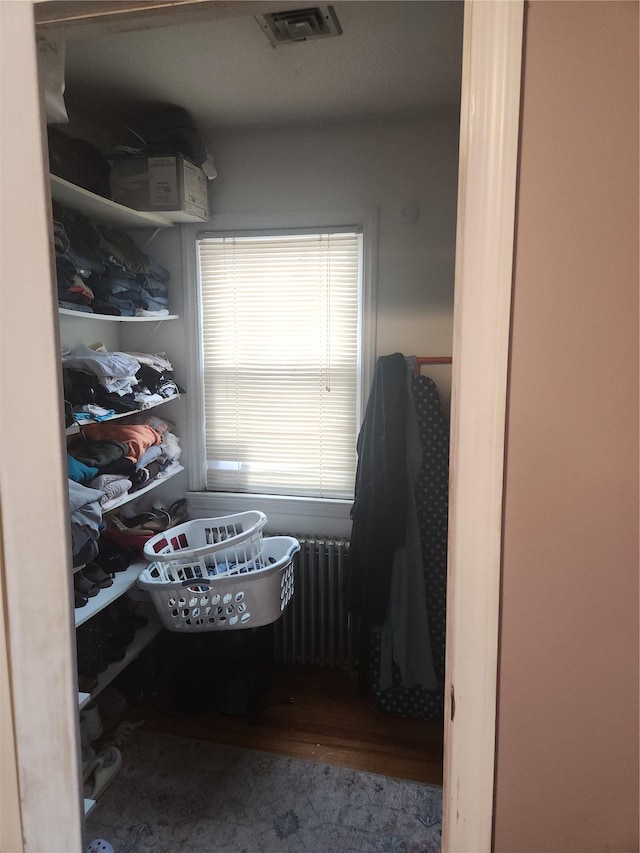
72,306
115,306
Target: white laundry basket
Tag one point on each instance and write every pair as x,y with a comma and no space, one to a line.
188,599
203,547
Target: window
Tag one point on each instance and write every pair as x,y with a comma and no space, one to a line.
282,360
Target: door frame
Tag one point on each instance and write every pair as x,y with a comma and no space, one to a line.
489,136
42,680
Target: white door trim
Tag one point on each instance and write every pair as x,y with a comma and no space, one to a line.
490,112
36,586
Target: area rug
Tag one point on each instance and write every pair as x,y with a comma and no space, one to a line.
175,793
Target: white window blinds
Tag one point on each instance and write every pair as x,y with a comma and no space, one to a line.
280,320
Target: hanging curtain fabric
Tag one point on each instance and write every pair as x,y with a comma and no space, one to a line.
397,568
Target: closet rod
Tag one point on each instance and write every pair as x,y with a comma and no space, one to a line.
430,359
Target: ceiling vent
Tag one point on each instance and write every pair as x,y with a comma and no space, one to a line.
300,25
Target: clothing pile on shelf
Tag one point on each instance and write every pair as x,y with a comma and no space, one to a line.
85,511
110,546
100,269
112,459
99,384
89,546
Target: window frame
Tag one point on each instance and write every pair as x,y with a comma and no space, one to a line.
312,515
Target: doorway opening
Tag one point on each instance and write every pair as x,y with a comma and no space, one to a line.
282,153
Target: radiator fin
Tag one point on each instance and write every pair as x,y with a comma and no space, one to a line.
315,628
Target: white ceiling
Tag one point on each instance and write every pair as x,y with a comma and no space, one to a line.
393,58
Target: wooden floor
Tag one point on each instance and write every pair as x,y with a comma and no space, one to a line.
316,714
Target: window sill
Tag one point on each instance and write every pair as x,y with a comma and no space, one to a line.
287,515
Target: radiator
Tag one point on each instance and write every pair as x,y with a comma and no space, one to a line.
315,628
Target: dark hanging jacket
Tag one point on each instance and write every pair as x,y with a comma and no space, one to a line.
379,509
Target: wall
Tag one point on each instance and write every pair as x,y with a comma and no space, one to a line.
333,166
386,164
567,747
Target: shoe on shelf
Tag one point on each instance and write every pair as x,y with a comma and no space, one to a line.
112,706
125,619
111,558
156,520
85,586
90,659
88,760
96,575
179,512
103,770
87,683
90,721
80,600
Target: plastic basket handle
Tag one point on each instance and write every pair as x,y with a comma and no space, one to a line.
197,582
293,549
194,554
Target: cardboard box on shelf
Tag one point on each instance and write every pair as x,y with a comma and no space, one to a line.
170,184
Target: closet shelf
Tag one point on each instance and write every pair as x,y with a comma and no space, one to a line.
69,312
103,209
74,428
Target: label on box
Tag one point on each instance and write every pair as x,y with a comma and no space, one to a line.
195,190
163,182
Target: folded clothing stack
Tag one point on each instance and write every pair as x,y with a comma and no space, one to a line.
114,459
100,269
98,383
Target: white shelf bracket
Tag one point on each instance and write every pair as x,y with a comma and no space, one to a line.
153,235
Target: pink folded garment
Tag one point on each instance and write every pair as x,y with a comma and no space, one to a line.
137,436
